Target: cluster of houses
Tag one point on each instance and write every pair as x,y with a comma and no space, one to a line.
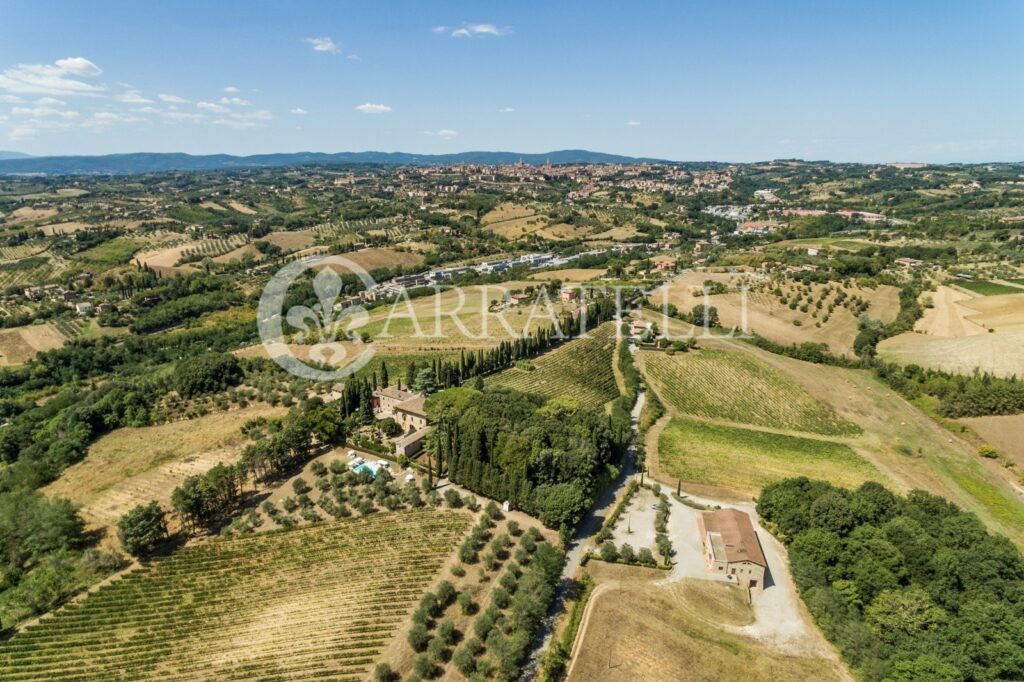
66,294
534,261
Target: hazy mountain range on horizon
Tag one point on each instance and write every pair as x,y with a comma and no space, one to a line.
14,163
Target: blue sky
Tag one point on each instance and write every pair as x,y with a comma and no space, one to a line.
741,81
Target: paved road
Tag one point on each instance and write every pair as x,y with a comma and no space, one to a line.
589,526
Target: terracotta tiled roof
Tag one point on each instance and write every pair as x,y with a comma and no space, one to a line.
413,406
738,535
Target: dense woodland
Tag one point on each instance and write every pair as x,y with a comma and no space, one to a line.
547,458
911,589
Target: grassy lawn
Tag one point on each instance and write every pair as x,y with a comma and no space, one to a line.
745,460
735,386
986,288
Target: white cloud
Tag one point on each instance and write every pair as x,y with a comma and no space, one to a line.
369,108
443,133
175,116
78,66
132,97
354,57
235,100
299,111
105,118
211,106
52,79
231,89
440,29
11,99
248,119
172,99
474,30
324,44
632,123
506,110
32,127
49,102
43,112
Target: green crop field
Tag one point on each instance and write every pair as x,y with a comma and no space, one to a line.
986,288
581,368
737,387
745,460
317,602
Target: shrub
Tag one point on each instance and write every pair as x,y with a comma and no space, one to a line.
418,637
446,631
500,597
466,603
987,451
493,511
514,529
458,571
627,553
142,528
609,552
445,593
383,673
464,660
437,649
646,558
300,486
425,666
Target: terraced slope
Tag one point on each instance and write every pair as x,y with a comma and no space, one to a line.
319,602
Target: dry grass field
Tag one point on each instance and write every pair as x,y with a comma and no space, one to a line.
238,253
760,312
506,211
1005,432
20,344
1001,354
962,332
28,213
64,228
640,629
164,261
292,241
241,208
134,465
513,221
